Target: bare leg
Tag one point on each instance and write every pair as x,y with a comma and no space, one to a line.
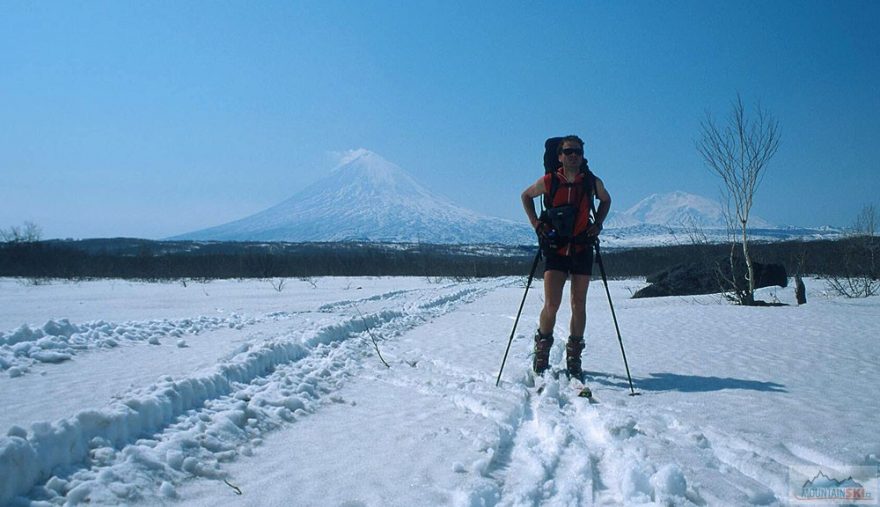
579,286
554,282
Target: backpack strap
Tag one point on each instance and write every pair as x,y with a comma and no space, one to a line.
550,196
589,184
589,187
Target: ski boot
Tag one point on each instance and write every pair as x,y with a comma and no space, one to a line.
543,344
573,350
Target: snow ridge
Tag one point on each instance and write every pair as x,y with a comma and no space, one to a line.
60,340
201,420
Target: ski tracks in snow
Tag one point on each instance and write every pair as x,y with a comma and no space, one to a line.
144,445
60,340
521,448
566,451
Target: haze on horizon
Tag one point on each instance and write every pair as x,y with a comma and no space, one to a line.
153,120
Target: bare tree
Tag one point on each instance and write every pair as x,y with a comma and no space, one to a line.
866,222
27,233
858,261
738,151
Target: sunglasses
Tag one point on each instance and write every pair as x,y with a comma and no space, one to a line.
572,151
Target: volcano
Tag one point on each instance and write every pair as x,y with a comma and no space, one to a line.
368,198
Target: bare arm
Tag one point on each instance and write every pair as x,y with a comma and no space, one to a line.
604,206
528,201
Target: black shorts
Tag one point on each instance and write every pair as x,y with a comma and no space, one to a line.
580,263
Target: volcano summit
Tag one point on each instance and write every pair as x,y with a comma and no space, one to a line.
367,198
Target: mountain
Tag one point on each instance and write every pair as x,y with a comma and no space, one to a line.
680,217
367,198
678,210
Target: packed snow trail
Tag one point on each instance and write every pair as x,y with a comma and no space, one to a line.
168,344
433,430
307,415
93,437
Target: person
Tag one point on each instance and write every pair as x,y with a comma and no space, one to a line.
572,258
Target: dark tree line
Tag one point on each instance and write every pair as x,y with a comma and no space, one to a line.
821,257
158,260
68,260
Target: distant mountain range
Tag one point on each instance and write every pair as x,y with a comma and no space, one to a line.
367,198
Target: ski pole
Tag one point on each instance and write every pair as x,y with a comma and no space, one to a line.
516,321
632,391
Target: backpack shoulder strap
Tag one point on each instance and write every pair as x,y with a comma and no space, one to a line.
551,165
550,196
589,186
589,182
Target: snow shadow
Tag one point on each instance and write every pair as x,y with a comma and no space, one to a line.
684,383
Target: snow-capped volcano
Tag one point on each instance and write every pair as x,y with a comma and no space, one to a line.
368,198
678,209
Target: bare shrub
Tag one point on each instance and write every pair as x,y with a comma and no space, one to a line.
858,263
278,284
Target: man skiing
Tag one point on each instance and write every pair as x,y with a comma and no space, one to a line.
566,252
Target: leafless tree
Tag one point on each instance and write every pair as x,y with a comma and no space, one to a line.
866,222
278,284
738,151
311,280
27,233
858,261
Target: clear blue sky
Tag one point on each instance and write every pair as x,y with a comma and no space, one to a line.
152,119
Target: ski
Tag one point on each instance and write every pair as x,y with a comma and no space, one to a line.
539,381
583,390
580,387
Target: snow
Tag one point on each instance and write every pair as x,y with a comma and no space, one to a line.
676,218
677,209
216,389
367,197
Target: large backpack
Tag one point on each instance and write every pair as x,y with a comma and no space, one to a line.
551,166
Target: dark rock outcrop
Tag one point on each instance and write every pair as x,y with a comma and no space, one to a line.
689,279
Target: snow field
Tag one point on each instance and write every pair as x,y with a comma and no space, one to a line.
93,436
504,446
296,409
252,312
59,341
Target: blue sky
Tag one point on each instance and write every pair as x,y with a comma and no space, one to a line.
151,119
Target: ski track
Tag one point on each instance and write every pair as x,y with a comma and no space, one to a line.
617,455
551,448
179,428
557,449
623,455
58,341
